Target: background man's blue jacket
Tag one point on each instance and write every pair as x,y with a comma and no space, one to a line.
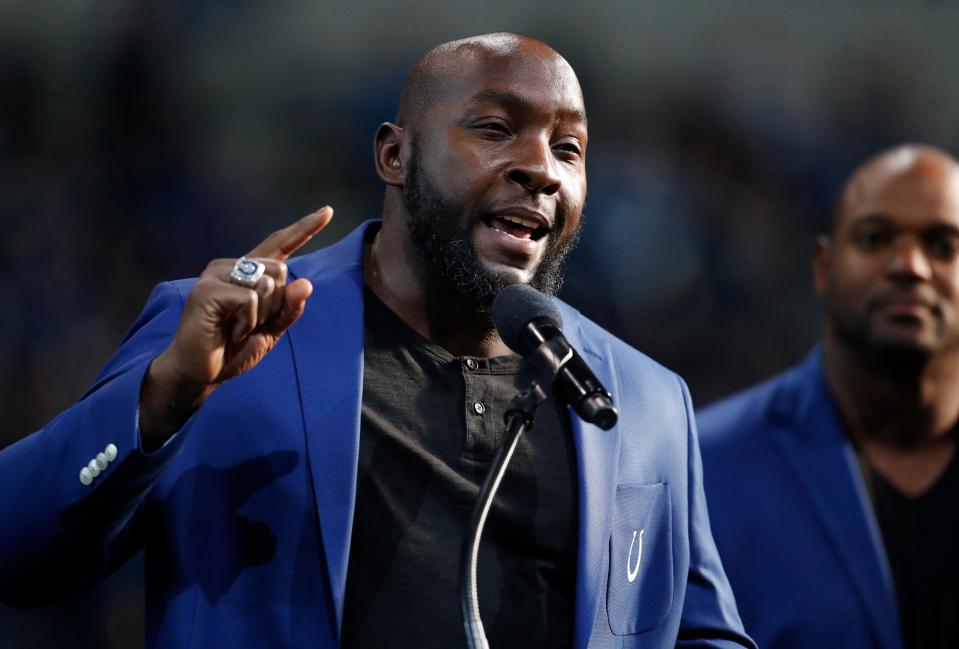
792,518
246,514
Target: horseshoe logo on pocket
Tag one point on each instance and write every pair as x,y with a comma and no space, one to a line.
631,571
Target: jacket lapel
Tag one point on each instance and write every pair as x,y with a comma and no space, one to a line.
817,451
597,453
327,344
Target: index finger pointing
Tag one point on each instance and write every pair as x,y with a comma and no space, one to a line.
283,243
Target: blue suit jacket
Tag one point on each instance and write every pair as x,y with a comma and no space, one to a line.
792,518
245,515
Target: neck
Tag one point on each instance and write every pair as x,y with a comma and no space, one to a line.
902,406
395,274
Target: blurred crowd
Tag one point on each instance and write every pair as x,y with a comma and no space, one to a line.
139,140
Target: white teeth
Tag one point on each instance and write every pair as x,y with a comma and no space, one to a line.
520,220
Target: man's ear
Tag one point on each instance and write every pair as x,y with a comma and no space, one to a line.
389,155
822,262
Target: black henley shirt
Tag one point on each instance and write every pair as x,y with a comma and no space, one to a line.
431,423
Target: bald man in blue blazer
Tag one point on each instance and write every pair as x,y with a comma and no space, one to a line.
832,486
224,436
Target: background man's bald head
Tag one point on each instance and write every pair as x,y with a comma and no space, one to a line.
926,166
431,75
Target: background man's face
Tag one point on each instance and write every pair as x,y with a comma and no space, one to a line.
890,280
496,177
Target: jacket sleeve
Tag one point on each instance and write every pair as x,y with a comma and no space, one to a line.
58,532
709,618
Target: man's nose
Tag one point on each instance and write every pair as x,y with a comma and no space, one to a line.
534,167
908,260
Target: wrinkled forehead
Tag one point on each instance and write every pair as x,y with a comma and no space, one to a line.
531,71
904,183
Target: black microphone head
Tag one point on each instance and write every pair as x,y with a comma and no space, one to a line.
515,307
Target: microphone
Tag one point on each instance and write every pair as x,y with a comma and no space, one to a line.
531,325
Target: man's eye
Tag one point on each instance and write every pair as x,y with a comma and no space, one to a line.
569,149
942,248
493,127
872,240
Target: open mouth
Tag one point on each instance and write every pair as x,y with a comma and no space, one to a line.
517,226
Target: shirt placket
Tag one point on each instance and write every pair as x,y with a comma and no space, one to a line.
482,434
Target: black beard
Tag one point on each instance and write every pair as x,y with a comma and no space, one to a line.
442,239
902,364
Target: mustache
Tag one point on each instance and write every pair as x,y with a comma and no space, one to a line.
918,294
556,217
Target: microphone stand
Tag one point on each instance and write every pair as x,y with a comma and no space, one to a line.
519,419
522,310
547,361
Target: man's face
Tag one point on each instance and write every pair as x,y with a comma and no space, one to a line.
890,277
496,179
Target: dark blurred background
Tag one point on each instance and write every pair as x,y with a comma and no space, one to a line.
140,139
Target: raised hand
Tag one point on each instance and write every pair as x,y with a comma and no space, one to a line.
225,330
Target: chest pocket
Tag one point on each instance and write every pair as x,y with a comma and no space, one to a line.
639,592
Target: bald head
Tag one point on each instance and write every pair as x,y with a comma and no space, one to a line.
921,169
434,76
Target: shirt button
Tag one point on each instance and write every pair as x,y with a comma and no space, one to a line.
93,468
111,452
478,407
101,460
471,365
85,476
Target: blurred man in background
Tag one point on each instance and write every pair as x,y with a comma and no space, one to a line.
833,487
298,446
